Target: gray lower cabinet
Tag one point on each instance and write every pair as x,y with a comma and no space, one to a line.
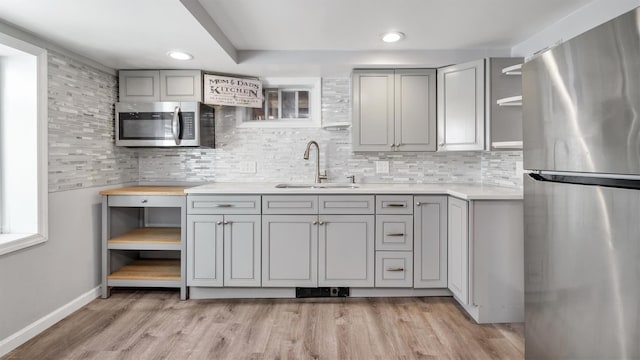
289,250
242,253
223,250
430,244
458,259
223,240
346,250
205,246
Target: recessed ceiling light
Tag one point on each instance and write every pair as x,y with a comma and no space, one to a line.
392,36
179,55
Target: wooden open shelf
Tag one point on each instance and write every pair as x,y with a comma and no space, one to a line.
151,238
149,269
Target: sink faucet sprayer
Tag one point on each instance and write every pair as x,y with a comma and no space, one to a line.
319,177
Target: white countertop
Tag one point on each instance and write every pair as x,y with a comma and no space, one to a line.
462,191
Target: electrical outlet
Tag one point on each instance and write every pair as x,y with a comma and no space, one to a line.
382,167
519,169
247,167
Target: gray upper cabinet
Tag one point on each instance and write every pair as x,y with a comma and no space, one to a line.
394,110
461,107
160,85
139,85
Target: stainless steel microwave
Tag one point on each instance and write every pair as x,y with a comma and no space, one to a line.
165,124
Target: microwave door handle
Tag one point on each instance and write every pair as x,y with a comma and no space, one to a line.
175,125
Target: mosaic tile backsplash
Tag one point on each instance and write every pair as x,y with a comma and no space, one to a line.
81,128
277,154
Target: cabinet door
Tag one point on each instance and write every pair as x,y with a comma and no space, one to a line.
139,85
430,246
346,250
242,240
289,251
458,235
415,110
180,85
373,110
461,107
204,250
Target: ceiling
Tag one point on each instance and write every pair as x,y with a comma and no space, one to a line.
237,36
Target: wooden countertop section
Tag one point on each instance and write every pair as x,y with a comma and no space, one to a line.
147,190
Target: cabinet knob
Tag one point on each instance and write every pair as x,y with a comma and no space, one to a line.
218,222
226,222
321,223
314,222
441,144
418,203
144,201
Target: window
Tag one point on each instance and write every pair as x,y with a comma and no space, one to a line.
287,102
23,144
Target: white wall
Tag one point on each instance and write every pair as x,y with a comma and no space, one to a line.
18,124
583,19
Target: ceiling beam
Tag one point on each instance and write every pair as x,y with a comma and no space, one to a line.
202,16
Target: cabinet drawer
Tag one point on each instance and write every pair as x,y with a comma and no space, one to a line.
145,201
394,232
394,269
290,204
346,204
223,204
394,204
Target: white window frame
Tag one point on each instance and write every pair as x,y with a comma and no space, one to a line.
10,242
314,85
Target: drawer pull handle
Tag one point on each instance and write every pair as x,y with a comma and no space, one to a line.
395,269
145,201
224,205
395,205
395,234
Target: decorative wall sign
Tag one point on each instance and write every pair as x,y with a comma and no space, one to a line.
223,90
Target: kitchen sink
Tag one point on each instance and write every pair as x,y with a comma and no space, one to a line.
317,186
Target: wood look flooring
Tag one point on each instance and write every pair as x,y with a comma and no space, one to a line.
156,325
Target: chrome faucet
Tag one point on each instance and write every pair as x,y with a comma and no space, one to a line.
319,177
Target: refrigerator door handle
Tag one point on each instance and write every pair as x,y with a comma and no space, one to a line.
577,179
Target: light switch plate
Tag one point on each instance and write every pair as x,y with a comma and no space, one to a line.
247,167
382,167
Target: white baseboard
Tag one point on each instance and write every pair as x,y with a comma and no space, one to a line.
45,322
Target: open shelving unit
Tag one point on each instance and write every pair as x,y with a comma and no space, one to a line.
504,104
137,250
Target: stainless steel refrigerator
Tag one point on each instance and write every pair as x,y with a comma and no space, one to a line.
582,196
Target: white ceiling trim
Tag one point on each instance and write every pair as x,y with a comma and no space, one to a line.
201,15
